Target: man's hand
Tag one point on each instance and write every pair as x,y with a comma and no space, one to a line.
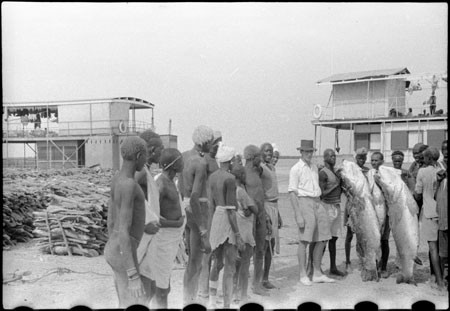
247,212
151,227
180,220
280,221
240,243
269,225
205,246
440,175
300,222
136,287
377,178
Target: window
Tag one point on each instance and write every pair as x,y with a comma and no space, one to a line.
436,137
399,140
56,154
375,141
414,137
361,140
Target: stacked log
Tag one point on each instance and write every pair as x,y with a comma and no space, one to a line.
78,196
68,227
18,207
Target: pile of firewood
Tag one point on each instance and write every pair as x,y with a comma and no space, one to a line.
68,227
18,207
36,202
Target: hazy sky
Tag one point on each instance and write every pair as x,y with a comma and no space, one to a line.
246,69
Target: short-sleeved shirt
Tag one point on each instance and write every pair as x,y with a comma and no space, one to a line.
330,179
426,184
304,179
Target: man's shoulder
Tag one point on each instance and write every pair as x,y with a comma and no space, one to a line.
299,164
323,172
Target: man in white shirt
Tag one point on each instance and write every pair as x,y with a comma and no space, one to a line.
310,215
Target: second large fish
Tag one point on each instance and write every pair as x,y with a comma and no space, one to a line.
402,211
364,218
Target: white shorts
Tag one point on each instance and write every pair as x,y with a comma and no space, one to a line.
335,217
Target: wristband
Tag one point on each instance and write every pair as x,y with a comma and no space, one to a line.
131,272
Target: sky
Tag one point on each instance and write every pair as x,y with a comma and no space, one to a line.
248,70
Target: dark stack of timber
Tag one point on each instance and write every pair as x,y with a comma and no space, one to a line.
18,207
68,215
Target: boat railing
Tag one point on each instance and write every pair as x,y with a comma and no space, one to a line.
17,127
390,107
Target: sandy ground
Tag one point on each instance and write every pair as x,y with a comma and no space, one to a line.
91,283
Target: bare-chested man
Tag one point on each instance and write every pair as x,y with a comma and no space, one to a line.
163,247
252,155
210,157
270,186
152,210
126,221
225,238
192,186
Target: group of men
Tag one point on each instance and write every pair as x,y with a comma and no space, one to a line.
315,196
226,211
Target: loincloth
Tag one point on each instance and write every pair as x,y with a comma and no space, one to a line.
221,227
245,225
272,210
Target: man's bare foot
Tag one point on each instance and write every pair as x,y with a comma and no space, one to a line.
258,290
336,272
268,285
348,267
384,274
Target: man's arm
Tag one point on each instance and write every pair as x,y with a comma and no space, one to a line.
419,186
141,179
128,193
230,200
296,207
125,221
199,180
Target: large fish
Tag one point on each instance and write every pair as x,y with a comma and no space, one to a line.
402,211
364,219
378,200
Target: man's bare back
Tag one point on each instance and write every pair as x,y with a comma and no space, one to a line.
194,168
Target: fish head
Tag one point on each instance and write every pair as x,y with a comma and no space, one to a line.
390,181
351,175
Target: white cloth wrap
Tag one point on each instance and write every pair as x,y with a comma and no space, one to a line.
151,214
225,153
162,252
221,228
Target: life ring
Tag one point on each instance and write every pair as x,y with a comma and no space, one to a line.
317,112
122,127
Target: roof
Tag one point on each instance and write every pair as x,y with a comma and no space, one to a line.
135,103
355,76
